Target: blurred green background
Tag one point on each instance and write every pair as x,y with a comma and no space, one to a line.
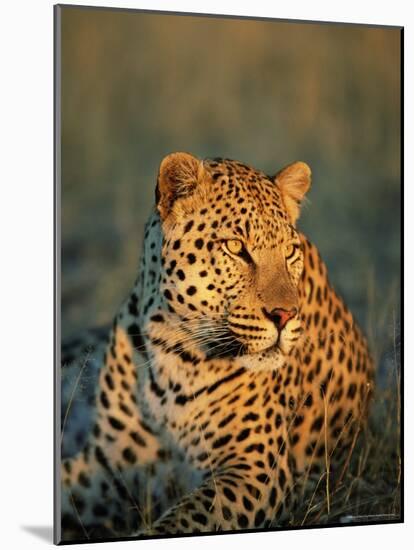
136,86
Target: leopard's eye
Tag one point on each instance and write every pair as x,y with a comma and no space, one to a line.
234,246
290,250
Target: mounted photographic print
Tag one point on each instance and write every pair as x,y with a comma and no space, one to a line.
228,274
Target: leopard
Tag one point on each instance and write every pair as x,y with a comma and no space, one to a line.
233,376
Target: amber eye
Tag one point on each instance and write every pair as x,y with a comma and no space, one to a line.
234,246
290,251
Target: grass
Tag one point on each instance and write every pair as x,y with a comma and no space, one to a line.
370,488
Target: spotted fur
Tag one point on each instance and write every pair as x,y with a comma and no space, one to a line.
233,373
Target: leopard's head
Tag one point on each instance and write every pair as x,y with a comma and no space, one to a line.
231,255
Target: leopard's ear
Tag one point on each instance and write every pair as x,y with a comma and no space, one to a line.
178,176
294,182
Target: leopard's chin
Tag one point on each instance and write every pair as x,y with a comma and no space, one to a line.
272,358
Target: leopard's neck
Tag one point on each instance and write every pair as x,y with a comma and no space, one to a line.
165,353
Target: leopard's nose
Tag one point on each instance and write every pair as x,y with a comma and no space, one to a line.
281,316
